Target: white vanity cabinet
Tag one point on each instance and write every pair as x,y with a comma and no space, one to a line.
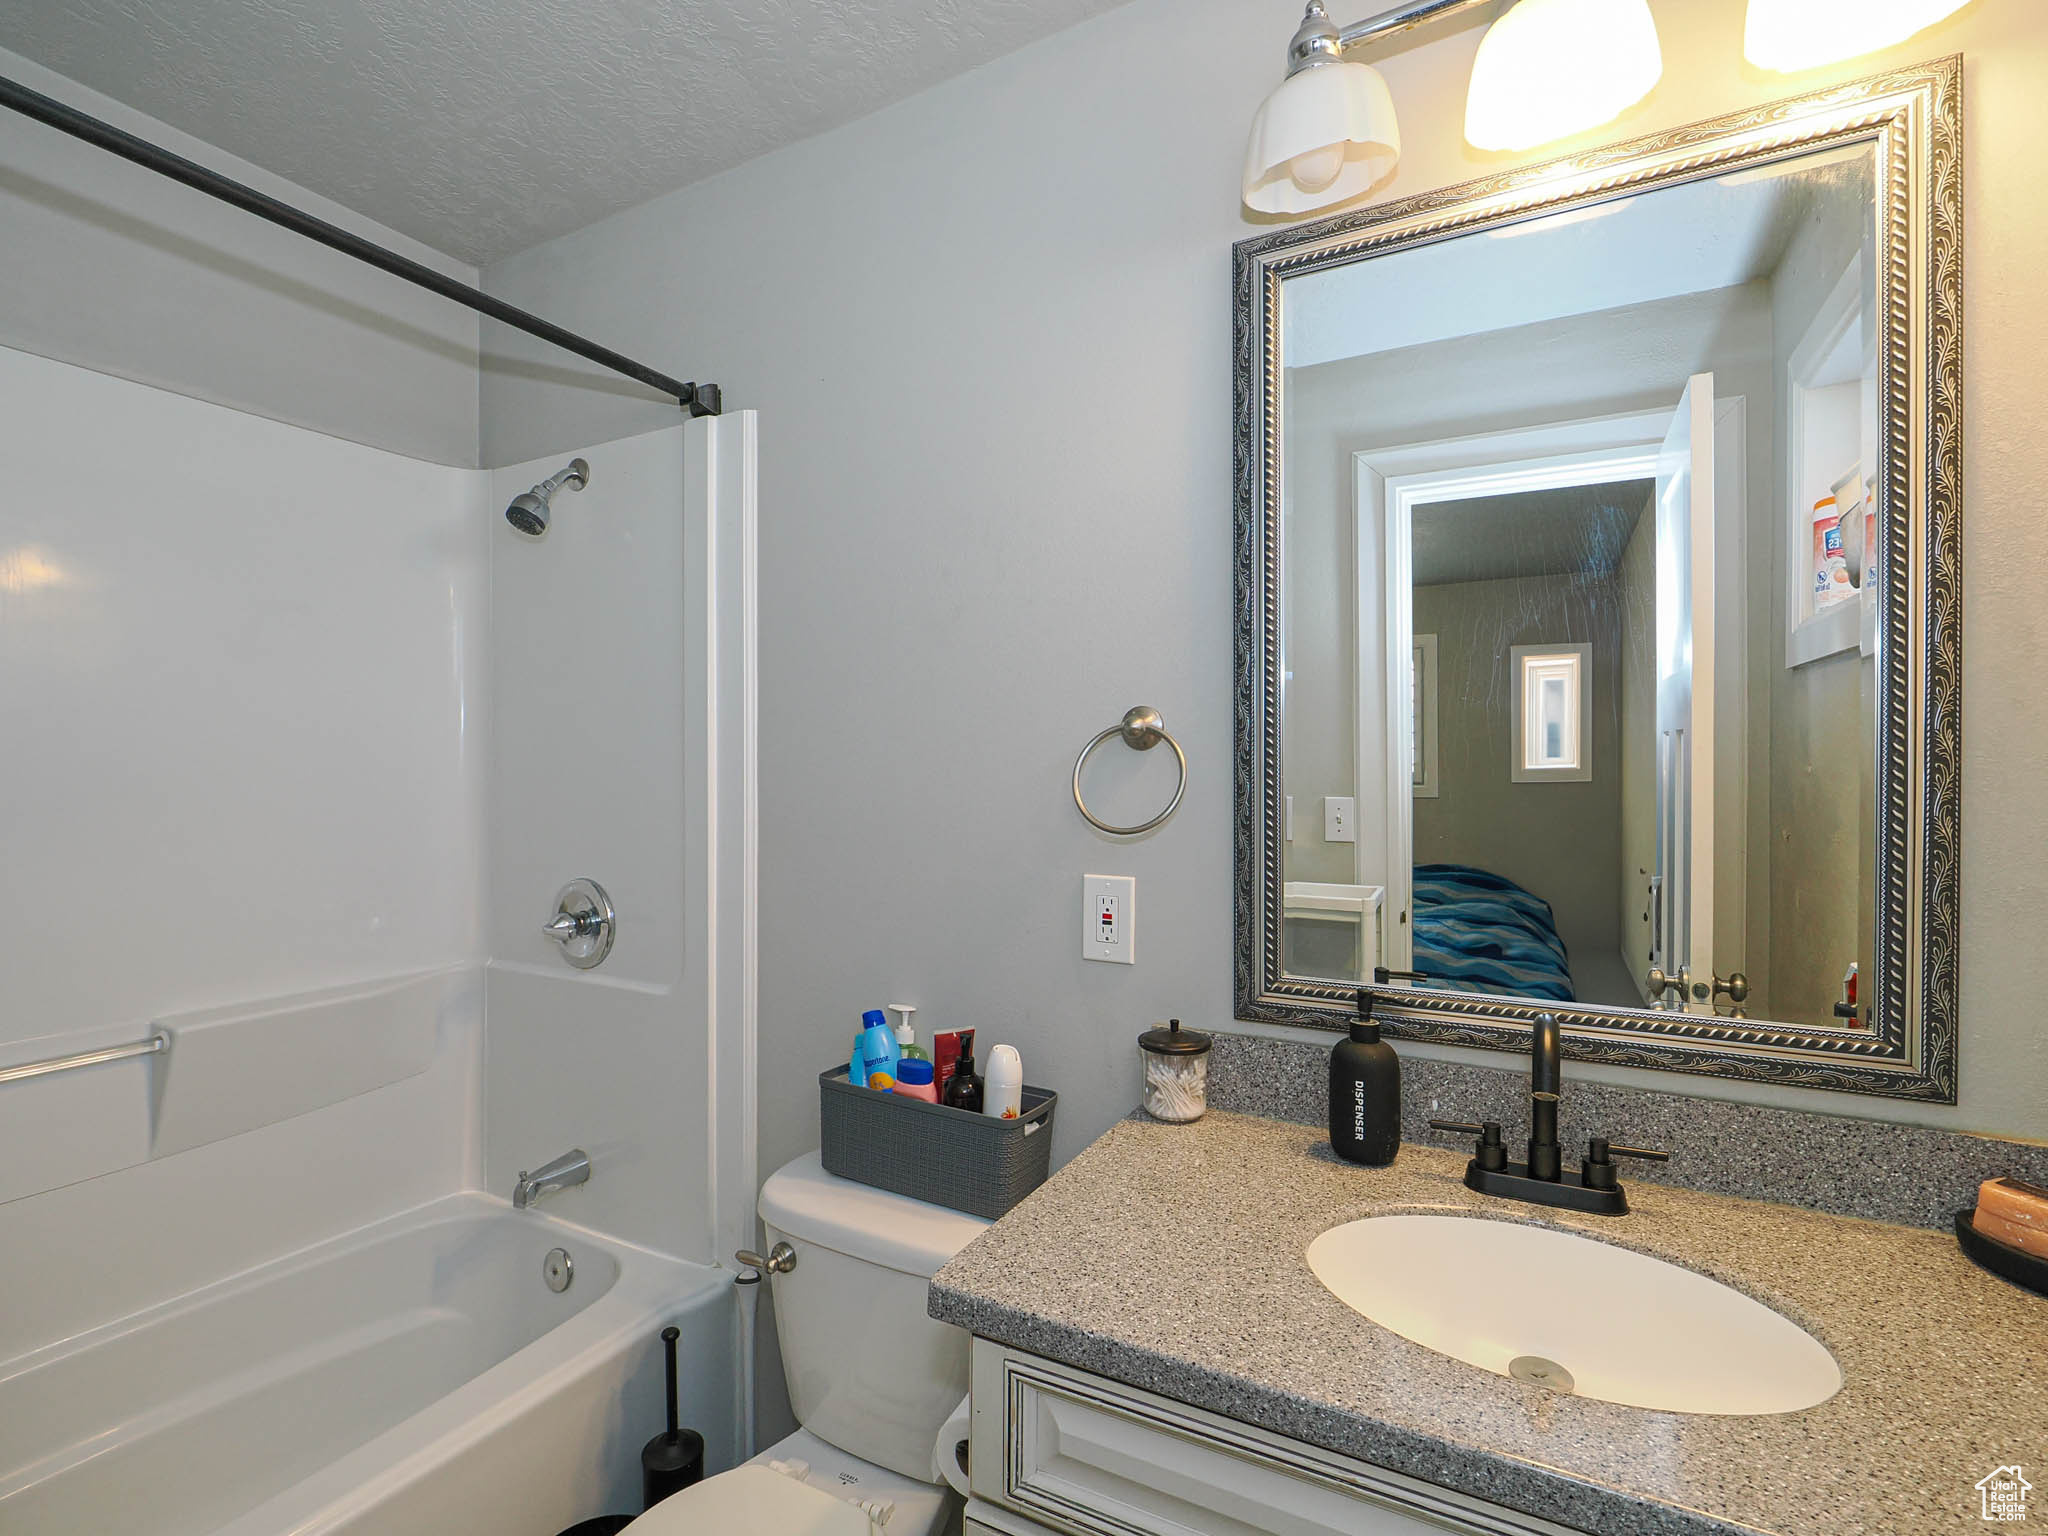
1054,1449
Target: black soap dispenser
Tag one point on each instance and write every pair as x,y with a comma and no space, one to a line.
1365,1093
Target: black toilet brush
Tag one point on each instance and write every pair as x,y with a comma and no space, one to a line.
674,1459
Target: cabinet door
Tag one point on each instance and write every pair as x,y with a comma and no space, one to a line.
1083,1455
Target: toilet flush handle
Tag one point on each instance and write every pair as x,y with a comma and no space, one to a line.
780,1261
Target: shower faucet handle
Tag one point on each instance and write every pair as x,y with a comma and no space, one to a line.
584,923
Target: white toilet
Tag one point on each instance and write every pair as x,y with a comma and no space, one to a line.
871,1376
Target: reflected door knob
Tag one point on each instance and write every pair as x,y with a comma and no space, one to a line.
1735,986
1681,983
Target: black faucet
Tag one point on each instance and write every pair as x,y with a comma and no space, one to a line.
1546,1082
1543,1179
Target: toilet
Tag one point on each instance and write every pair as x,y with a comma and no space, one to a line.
871,1377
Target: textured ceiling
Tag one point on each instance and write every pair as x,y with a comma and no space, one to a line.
486,126
1580,529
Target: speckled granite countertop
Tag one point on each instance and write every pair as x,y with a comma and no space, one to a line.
1946,1366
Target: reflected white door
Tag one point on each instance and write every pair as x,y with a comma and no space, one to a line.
1684,935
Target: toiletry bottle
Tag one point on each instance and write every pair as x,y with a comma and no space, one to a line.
1365,1093
906,1037
948,1047
1002,1089
1830,569
875,1051
963,1088
914,1079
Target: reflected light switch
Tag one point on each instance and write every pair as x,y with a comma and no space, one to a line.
1340,819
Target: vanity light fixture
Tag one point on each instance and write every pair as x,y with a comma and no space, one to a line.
1327,133
1551,68
1788,35
1546,69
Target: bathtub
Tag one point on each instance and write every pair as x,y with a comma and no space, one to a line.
416,1376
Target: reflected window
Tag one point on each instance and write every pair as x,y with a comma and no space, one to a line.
1553,735
1422,716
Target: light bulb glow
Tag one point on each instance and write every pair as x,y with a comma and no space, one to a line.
1551,68
1789,35
1315,169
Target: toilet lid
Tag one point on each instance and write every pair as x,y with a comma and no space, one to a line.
751,1501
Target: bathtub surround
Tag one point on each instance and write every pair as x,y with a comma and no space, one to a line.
587,781
1917,1176
1928,1386
267,672
230,1070
241,792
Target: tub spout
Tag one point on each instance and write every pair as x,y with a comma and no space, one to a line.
570,1168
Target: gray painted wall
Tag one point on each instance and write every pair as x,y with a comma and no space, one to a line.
1823,779
1560,840
112,267
988,330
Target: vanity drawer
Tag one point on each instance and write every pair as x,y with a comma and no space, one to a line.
1083,1455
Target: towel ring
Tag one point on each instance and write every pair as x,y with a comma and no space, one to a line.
1142,730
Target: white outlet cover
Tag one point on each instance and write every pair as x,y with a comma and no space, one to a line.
1109,918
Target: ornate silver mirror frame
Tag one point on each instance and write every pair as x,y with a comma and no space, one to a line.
1913,119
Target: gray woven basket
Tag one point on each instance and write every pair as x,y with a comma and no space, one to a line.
950,1157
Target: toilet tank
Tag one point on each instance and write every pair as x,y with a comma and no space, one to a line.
868,1370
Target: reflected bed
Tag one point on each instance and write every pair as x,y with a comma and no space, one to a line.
1476,931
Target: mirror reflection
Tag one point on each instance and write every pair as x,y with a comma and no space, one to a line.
1580,584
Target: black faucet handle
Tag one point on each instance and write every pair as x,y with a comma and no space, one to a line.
1598,1172
1491,1153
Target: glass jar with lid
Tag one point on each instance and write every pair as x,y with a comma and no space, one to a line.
1176,1072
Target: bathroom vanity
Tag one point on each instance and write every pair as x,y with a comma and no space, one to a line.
1153,1353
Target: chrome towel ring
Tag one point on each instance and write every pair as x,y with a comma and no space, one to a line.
1142,729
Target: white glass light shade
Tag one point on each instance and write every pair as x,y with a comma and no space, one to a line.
1325,136
1788,35
1552,68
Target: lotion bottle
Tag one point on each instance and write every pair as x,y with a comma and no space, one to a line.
1365,1093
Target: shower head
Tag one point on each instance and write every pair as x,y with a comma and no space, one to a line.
529,510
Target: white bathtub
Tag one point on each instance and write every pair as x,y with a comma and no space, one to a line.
413,1378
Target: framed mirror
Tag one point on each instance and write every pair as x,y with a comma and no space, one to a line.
1597,601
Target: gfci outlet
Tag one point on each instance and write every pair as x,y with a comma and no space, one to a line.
1109,918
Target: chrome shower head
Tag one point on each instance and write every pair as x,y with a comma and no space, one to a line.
529,510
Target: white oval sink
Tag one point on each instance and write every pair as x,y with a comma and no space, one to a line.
1573,1314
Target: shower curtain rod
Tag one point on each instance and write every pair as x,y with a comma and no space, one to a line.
697,399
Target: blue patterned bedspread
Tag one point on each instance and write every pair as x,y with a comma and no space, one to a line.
1480,932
